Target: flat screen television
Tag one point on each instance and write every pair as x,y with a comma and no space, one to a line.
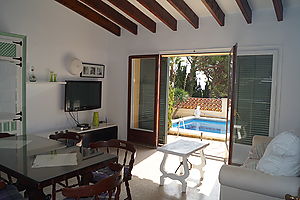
82,95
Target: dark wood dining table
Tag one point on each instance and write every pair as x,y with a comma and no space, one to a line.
17,155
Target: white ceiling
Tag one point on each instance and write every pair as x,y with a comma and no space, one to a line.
228,7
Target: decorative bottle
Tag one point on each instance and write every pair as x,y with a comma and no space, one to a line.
96,119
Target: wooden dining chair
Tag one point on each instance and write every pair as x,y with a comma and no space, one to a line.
9,179
69,139
107,188
126,155
290,197
4,135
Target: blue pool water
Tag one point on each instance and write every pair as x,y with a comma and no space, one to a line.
202,125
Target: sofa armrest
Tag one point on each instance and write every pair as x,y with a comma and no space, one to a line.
258,139
258,182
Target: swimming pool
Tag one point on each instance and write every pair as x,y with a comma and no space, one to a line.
205,125
217,126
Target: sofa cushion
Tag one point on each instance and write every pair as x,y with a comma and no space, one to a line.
250,163
257,151
106,172
281,157
10,192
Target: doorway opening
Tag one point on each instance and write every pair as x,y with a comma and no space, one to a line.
198,100
149,88
251,94
151,97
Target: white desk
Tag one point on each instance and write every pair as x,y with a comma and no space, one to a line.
183,149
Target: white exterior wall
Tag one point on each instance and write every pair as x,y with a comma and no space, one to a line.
183,112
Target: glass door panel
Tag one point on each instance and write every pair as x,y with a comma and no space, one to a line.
143,99
143,94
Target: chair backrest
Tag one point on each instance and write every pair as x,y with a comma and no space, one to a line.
4,135
108,185
2,185
289,197
129,151
70,138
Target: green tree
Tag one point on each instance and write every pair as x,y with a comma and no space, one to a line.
180,96
174,63
206,91
191,79
176,96
179,82
198,93
171,103
215,68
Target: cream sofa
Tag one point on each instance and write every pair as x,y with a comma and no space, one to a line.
247,183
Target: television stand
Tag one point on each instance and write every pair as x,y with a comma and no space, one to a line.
104,132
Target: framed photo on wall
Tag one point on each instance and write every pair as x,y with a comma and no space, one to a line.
92,70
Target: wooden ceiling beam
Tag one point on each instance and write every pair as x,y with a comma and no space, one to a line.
90,14
246,10
112,14
157,10
186,12
215,10
135,14
278,9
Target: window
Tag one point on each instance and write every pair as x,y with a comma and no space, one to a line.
253,103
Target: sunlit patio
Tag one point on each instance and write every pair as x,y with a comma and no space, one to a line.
145,183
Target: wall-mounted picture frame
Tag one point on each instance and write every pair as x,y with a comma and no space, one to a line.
92,70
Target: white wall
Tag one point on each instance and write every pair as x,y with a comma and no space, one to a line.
54,34
264,31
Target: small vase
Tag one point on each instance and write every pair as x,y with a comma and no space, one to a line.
96,119
51,76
